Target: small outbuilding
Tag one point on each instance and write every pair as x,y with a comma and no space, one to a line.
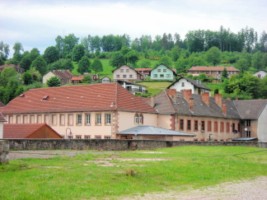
30,131
154,133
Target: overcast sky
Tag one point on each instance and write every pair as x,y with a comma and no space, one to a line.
37,23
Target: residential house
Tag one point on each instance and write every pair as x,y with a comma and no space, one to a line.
64,76
77,79
105,80
126,73
210,118
16,67
260,74
144,71
162,72
2,120
132,87
212,71
184,83
253,115
30,131
81,111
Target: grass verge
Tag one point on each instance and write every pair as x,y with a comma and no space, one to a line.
113,174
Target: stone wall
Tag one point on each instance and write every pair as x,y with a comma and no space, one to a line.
4,149
94,144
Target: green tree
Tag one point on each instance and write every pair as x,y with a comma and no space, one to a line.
83,65
132,57
4,52
224,74
97,65
40,64
61,64
78,52
18,49
27,78
87,79
213,55
53,82
51,54
165,60
117,59
26,61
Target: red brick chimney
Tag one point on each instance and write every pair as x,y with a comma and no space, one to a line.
218,99
187,94
224,109
205,98
171,92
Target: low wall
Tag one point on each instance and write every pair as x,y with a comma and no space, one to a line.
4,149
95,144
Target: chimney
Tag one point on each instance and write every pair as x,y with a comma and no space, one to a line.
218,99
224,109
205,98
187,94
191,103
171,93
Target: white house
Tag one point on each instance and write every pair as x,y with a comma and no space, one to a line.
187,84
260,74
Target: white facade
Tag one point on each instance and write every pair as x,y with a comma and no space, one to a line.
260,74
1,130
262,121
47,76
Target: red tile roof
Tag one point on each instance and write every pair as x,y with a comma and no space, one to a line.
95,97
213,68
77,78
27,130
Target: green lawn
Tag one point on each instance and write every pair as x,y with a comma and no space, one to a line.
155,87
112,174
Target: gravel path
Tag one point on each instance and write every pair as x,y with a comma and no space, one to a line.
254,189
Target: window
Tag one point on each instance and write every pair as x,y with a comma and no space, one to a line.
159,70
62,119
87,137
202,125
168,75
97,136
209,126
70,119
25,119
227,127
155,76
107,137
222,127
164,70
98,120
161,75
189,125
122,70
127,70
124,76
39,119
247,123
118,76
79,119
32,119
130,76
87,119
181,124
47,119
107,118
196,125
138,118
216,126
182,84
54,119
78,137
233,128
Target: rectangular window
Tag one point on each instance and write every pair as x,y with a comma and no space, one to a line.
107,137
233,128
216,126
209,126
39,119
87,137
227,127
70,119
222,127
130,76
155,76
189,125
62,119
196,125
78,137
98,120
118,76
87,119
181,124
122,70
127,70
25,119
161,75
54,119
124,76
203,125
32,119
164,70
47,119
79,119
107,118
97,136
159,70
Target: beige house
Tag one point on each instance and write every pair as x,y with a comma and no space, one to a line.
207,117
82,112
212,71
126,73
65,76
2,120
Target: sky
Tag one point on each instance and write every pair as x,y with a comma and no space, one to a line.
36,23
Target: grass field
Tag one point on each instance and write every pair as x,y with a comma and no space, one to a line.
113,174
155,88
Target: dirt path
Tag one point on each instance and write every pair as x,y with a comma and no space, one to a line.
254,189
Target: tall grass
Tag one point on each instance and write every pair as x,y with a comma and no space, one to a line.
106,174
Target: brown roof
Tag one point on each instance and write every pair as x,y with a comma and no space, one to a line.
212,68
250,109
64,75
2,118
29,131
77,78
94,97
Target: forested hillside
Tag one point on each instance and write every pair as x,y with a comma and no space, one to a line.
246,50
